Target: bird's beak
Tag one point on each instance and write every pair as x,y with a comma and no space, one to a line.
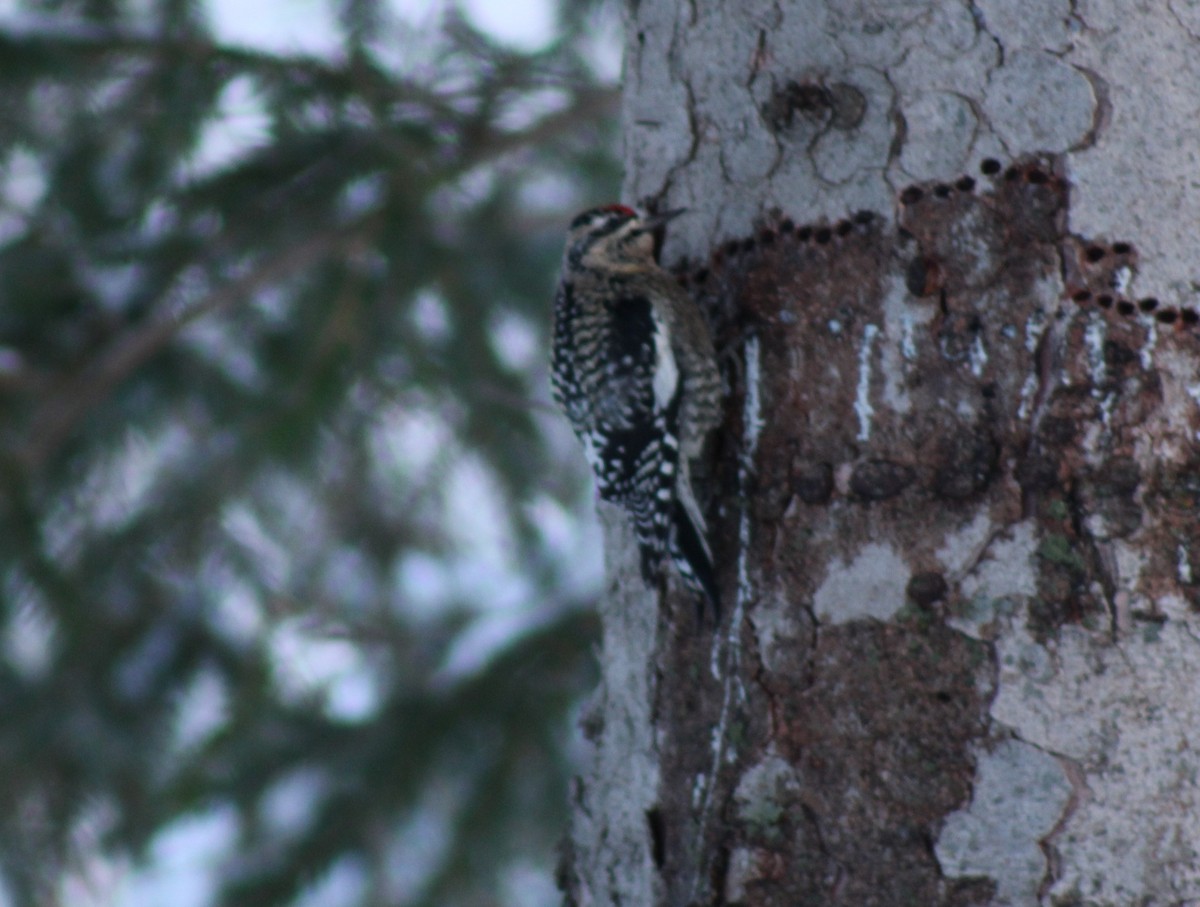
654,221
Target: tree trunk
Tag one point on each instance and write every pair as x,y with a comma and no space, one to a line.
946,248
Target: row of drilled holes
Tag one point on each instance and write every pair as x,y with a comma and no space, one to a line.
1093,254
767,236
1147,306
990,167
822,235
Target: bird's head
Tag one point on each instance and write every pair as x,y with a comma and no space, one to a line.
615,237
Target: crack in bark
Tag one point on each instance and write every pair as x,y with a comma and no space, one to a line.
1079,789
1097,562
1174,15
1101,109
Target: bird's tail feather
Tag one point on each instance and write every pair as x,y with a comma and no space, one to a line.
693,560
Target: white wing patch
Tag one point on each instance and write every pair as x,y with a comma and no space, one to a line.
666,372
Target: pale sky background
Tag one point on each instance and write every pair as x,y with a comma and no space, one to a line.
307,25
179,871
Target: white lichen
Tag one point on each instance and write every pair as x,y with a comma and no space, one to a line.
977,356
1146,350
907,346
1094,336
1028,389
1020,793
1121,278
1034,328
870,586
862,400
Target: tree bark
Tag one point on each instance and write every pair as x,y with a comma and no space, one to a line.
948,255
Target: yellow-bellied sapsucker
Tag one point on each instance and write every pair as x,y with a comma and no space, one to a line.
633,368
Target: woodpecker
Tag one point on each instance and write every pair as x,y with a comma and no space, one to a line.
633,368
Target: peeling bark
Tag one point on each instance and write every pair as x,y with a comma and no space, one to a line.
955,495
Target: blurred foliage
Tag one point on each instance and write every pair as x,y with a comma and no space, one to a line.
281,503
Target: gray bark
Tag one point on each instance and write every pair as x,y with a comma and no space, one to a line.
955,493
